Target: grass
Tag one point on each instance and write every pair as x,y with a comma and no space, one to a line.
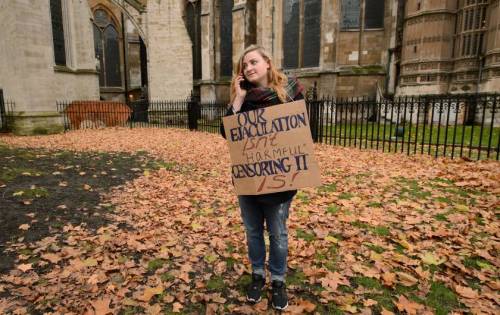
367,130
8,174
156,264
308,237
333,209
346,195
439,297
297,278
34,192
375,248
442,299
377,230
477,263
328,188
216,283
413,141
166,277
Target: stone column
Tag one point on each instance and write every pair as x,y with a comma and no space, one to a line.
244,26
207,20
170,61
327,60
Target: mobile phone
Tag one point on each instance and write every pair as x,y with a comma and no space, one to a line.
245,84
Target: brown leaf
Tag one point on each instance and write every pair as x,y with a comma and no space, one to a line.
369,302
101,306
53,258
261,306
154,309
307,305
150,292
24,267
389,278
403,304
332,280
466,292
24,227
177,307
386,312
168,298
406,279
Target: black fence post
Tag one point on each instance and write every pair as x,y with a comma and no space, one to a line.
3,115
193,111
313,109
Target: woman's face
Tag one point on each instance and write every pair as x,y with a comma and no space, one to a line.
255,68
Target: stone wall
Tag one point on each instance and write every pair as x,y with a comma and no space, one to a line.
169,50
491,71
28,73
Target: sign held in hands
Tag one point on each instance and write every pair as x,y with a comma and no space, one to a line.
271,149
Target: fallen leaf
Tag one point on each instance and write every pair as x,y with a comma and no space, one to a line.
406,279
403,304
24,267
150,292
466,292
369,302
389,278
177,307
53,258
307,305
101,306
90,262
431,259
155,309
24,227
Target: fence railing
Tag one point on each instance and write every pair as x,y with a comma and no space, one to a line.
454,126
465,126
6,109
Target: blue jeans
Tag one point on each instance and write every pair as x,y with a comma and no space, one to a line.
253,215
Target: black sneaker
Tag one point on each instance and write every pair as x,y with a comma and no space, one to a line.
254,290
279,299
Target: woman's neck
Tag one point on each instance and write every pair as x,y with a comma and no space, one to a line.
263,83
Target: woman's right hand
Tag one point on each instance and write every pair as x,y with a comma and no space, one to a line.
240,93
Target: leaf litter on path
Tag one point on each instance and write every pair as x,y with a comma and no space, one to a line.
386,233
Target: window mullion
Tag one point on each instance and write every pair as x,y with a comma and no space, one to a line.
104,78
301,34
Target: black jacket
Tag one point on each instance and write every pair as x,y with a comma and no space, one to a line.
273,198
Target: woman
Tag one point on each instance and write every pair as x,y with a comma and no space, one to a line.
259,84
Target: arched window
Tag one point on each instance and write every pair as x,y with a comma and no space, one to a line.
350,14
301,17
374,14
193,15
312,33
58,32
291,34
473,26
226,37
107,49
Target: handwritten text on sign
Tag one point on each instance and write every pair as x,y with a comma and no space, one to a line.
271,149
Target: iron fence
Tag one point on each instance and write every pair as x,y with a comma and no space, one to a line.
466,125
446,125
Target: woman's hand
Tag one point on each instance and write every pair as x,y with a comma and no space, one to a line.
240,93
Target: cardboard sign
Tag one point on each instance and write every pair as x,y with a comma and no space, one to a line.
271,149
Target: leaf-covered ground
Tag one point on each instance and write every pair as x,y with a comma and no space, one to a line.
386,233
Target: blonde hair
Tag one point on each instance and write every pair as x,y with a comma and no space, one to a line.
276,79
